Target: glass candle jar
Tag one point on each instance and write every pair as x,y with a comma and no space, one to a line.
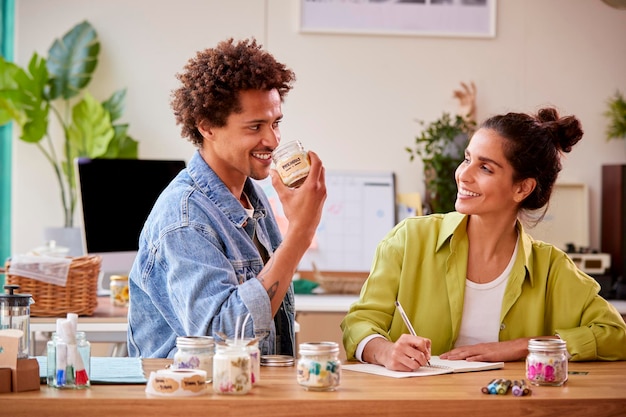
252,347
231,369
292,163
119,290
195,352
64,362
546,363
319,368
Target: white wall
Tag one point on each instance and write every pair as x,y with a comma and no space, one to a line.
356,98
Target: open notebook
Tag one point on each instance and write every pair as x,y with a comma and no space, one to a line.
437,367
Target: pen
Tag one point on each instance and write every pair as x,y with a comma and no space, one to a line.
503,387
493,388
407,322
525,389
485,389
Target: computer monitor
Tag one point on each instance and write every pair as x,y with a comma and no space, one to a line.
115,198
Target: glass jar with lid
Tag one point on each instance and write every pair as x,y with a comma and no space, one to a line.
546,363
319,368
292,163
195,352
119,290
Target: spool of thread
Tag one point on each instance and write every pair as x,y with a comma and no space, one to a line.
177,383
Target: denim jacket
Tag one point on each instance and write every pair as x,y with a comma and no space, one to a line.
195,271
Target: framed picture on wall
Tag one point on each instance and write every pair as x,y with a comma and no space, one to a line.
452,18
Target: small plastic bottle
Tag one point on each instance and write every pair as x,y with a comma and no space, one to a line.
232,370
195,352
546,363
292,163
319,368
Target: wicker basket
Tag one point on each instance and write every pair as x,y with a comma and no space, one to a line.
340,284
78,296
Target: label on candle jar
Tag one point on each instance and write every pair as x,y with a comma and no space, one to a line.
292,163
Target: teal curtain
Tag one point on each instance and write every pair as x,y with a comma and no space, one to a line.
7,11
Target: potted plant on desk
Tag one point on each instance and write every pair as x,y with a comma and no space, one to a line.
55,87
441,147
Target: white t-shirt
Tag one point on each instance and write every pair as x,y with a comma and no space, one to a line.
482,307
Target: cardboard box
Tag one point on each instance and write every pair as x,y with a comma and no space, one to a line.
5,380
26,375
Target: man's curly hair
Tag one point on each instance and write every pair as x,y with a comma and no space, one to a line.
212,80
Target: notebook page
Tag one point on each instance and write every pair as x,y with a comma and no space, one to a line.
437,366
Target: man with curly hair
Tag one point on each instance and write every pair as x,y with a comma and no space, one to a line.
211,256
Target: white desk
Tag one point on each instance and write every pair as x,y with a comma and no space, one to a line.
335,303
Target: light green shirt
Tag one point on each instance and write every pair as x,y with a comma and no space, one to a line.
422,263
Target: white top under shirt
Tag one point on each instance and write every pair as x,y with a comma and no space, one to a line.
482,305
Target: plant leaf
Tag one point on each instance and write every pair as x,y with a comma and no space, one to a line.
122,146
22,97
91,131
72,61
115,104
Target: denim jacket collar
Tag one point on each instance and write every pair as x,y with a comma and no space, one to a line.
210,184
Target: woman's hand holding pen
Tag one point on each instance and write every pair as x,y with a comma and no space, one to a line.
408,353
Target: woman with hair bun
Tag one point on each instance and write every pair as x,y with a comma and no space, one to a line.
473,283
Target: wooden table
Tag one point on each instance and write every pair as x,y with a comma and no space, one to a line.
600,392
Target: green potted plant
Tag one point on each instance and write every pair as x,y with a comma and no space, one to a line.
616,114
56,87
441,147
